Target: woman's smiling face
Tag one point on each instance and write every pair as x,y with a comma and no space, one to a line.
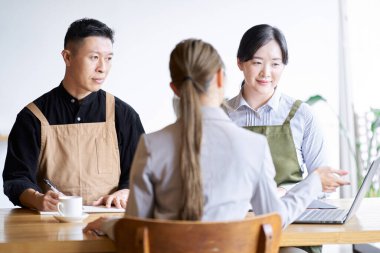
263,72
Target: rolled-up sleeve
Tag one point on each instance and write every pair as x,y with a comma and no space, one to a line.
21,162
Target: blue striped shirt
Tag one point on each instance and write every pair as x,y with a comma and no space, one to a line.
307,135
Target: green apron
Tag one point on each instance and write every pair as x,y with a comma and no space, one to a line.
282,148
283,151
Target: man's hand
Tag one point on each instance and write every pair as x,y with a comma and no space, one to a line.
39,201
331,178
118,199
47,201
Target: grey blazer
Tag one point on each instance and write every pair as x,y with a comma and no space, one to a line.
237,174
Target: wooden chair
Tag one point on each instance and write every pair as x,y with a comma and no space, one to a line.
257,234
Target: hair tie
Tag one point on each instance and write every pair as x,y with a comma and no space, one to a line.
187,78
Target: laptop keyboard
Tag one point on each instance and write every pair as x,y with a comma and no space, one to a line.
322,214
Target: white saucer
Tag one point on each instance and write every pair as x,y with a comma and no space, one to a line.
68,219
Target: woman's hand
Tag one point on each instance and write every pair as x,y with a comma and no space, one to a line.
331,178
96,226
118,199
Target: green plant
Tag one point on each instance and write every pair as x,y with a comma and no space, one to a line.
355,145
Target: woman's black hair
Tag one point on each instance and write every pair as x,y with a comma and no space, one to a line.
256,37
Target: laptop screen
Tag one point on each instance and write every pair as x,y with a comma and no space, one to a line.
367,181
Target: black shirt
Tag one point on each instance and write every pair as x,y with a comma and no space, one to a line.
59,107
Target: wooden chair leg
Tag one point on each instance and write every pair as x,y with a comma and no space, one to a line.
142,240
266,239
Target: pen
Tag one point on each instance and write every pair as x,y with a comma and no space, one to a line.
54,189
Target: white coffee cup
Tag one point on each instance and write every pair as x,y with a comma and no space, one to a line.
70,206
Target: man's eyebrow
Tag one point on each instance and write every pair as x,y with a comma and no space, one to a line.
98,52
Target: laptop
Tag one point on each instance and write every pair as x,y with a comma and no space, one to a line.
340,216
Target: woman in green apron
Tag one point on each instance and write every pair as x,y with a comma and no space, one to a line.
295,140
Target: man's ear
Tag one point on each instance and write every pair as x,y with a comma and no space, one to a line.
66,54
174,89
240,64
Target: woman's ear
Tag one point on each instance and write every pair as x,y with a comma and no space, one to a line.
174,89
220,78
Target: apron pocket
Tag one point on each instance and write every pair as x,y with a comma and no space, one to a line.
105,155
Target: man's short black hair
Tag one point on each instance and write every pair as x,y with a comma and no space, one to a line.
86,27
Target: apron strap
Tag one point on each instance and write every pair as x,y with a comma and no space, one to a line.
44,123
293,111
110,108
37,112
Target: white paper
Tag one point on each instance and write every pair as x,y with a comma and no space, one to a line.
90,209
102,209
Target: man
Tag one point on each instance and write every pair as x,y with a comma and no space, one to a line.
77,136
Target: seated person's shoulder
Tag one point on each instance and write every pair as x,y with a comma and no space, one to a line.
304,109
125,111
254,137
41,102
286,100
230,105
26,119
247,139
126,118
45,100
124,106
167,135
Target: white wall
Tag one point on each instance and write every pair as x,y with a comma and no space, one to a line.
364,51
32,35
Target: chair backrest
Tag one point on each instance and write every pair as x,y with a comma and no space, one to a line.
258,234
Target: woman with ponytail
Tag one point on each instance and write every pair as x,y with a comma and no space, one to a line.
193,66
203,166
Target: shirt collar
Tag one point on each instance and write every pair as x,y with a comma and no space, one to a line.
240,101
67,97
272,103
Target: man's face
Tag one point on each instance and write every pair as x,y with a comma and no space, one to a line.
87,65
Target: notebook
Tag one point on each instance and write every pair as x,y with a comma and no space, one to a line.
90,209
340,216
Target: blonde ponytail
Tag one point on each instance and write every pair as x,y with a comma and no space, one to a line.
192,66
191,124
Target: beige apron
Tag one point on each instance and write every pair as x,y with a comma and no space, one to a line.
80,159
